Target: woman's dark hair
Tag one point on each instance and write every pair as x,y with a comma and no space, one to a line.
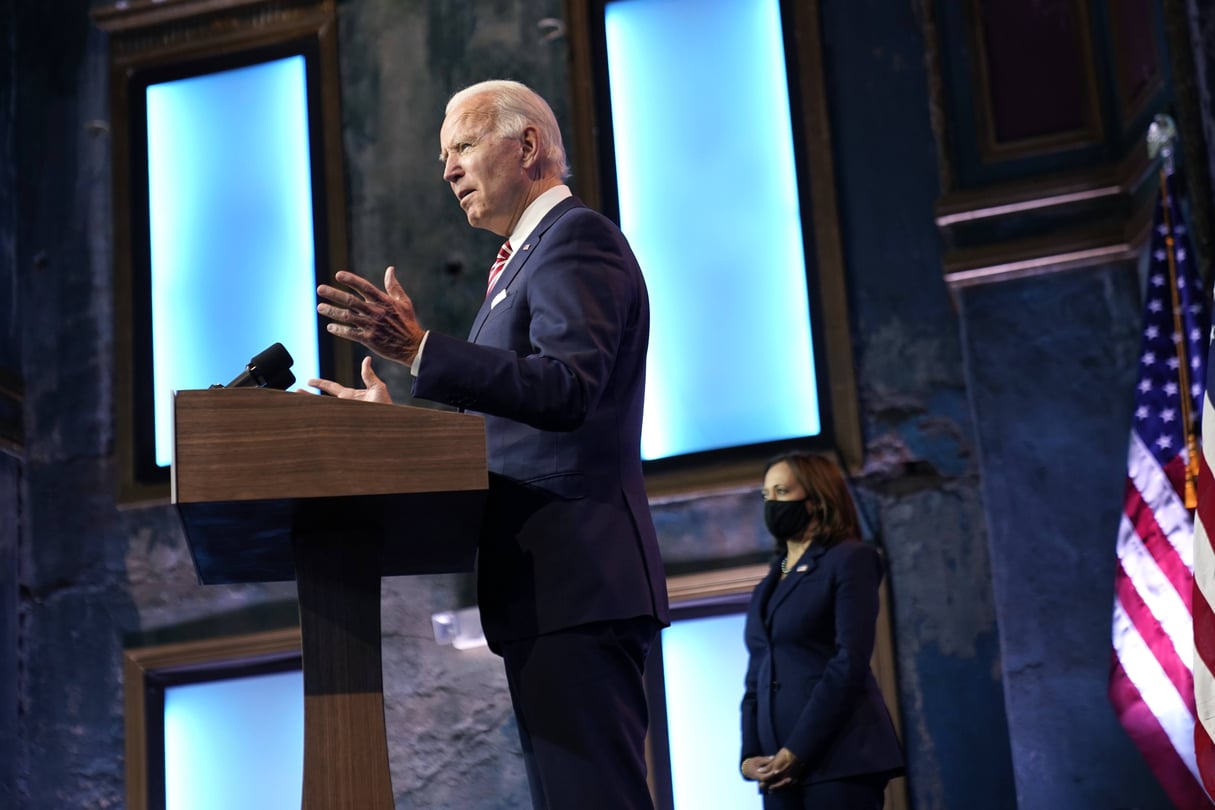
824,484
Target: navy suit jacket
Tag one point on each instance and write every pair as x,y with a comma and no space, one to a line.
809,687
555,361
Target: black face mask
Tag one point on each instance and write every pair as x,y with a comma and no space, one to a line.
786,519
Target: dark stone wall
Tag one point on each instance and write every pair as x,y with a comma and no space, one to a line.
10,416
1052,363
995,426
74,603
922,469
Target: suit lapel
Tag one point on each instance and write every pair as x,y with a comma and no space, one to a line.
801,572
767,586
522,254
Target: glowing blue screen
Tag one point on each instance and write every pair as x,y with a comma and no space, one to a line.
709,200
235,744
238,744
705,664
230,218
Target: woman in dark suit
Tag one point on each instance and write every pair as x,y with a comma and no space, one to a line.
815,730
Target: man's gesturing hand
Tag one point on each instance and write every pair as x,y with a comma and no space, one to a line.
374,389
381,320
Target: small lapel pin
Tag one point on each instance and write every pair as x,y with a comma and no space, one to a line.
528,246
497,299
801,569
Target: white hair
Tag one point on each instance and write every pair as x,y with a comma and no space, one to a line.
516,106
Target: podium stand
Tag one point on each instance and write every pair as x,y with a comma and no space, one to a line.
334,494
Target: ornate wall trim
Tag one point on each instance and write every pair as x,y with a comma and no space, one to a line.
1048,224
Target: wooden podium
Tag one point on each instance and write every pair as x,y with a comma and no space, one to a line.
335,494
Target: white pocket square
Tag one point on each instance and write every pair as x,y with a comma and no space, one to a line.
497,299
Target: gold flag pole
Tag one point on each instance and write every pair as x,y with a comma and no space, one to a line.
1161,136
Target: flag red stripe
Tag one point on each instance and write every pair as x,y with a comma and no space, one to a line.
1204,753
1149,737
1154,636
1204,628
1206,490
1175,472
1206,493
1167,559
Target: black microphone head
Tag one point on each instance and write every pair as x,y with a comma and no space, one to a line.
270,361
282,379
270,368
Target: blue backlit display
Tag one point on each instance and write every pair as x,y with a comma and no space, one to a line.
233,264
235,744
708,198
704,662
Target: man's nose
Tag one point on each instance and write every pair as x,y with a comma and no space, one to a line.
451,169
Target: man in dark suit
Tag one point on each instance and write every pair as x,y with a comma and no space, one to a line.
570,581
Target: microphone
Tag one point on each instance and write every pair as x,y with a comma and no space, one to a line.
269,369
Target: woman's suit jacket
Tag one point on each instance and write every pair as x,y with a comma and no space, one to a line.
556,361
808,686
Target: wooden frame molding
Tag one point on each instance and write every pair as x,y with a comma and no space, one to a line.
812,121
155,33
141,664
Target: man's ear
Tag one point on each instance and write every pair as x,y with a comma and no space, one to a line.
529,143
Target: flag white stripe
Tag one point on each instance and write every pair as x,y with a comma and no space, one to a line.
1157,491
1204,696
1157,592
1204,559
1204,563
1155,688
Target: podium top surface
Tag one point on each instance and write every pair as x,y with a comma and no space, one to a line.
241,444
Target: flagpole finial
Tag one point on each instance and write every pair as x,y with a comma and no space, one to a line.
1162,139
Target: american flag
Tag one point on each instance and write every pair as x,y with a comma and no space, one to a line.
1204,596
1157,600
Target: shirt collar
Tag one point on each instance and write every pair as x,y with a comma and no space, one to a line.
535,212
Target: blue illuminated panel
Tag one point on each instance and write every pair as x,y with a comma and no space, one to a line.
233,265
709,200
235,744
705,665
